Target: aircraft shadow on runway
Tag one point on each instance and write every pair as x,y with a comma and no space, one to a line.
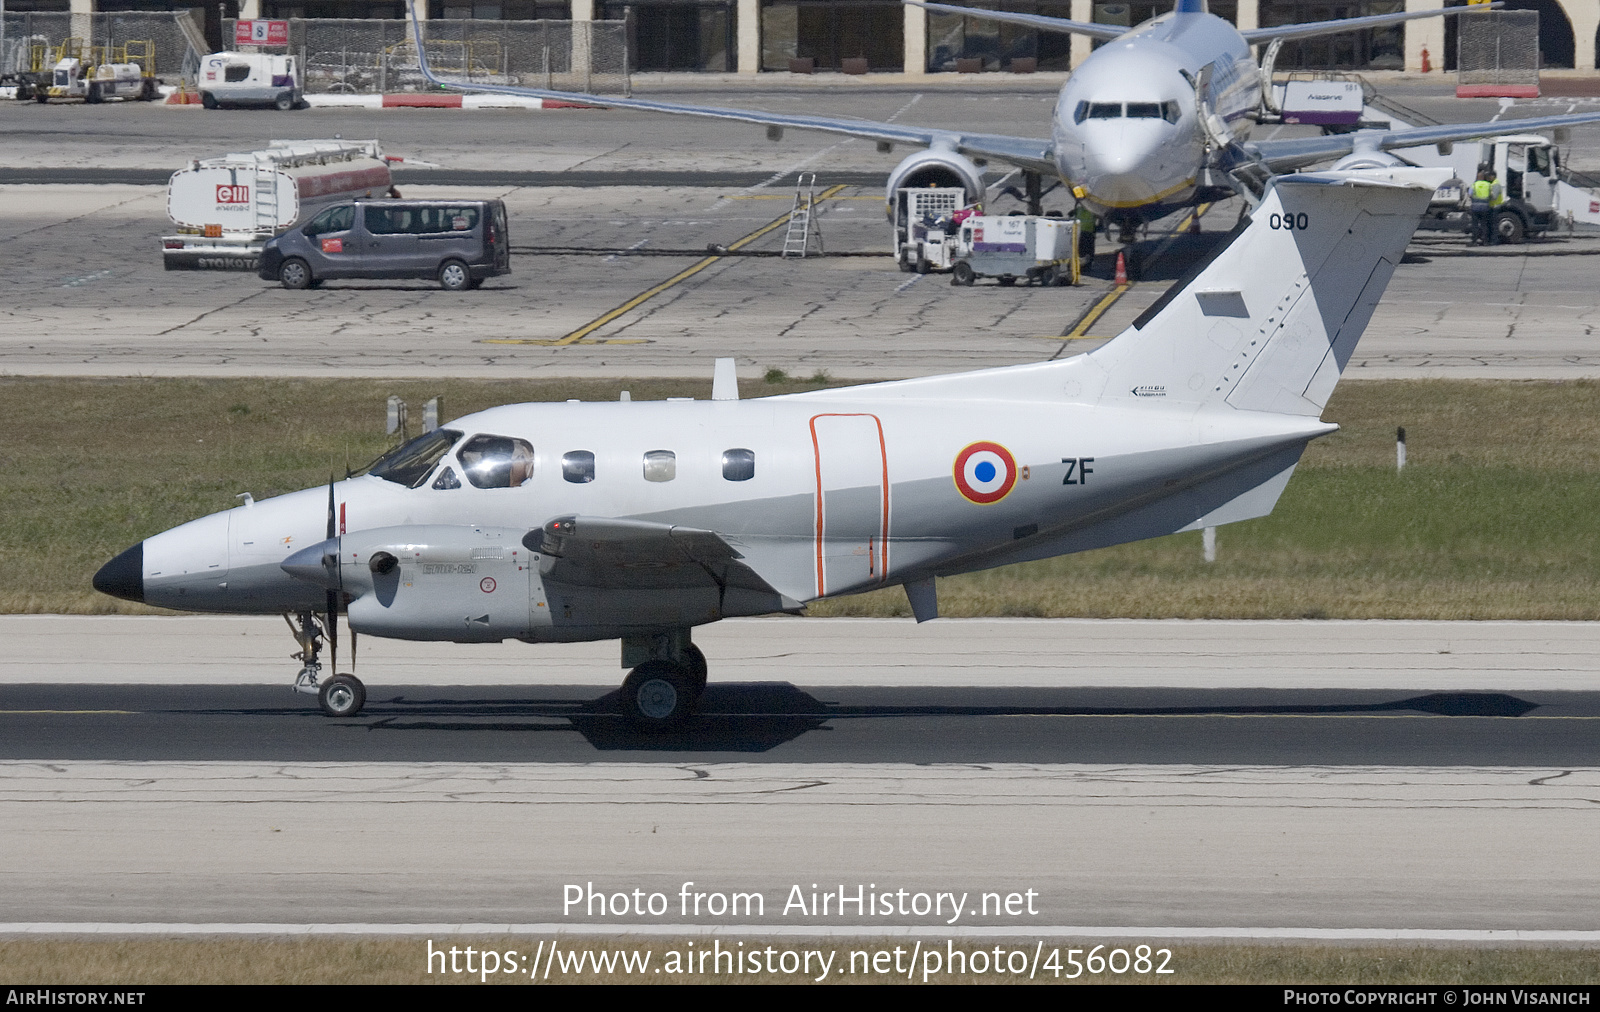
759,716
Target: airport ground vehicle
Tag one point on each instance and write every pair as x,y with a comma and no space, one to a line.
1036,249
1539,197
90,74
226,208
231,78
459,243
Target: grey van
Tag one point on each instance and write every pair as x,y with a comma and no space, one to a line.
458,243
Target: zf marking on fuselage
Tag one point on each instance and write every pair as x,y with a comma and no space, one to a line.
1078,470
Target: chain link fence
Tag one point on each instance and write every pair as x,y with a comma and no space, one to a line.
1498,47
373,56
32,38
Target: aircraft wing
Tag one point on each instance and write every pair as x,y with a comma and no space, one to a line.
1030,153
1311,28
614,554
1039,21
1291,154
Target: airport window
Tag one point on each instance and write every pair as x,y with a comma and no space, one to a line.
578,467
496,461
667,35
739,465
660,465
994,45
1144,110
447,479
506,10
828,32
334,219
1375,48
1105,110
410,464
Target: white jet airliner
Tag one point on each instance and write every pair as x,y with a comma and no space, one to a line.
1155,120
640,520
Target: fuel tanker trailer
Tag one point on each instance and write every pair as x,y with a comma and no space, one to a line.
226,208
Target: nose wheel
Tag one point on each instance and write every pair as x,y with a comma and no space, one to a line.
340,695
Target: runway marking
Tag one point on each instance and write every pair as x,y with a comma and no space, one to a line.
1080,330
1492,935
8,713
581,335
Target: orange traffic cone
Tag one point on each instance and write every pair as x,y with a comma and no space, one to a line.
1427,65
1122,269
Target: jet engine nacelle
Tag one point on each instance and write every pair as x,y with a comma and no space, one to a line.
438,582
1370,158
937,167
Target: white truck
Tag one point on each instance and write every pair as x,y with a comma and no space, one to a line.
227,208
1539,197
1041,250
230,78
92,74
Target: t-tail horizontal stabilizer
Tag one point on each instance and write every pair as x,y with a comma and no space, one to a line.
1269,319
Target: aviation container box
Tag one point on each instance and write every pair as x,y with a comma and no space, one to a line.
1323,102
1036,249
226,208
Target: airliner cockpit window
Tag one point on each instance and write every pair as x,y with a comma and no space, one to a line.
496,461
1144,110
411,463
1105,110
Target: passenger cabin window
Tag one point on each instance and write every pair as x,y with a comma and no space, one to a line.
496,461
334,219
383,219
738,465
578,467
236,72
411,463
660,465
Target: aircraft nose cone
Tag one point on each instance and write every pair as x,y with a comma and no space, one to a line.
123,576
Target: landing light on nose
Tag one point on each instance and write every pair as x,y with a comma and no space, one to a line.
123,576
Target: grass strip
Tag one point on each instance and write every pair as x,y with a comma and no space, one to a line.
1493,518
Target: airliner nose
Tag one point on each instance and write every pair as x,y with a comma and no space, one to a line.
123,576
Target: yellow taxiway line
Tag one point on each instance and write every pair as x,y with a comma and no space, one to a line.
581,335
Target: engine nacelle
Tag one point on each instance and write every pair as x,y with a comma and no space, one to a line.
438,582
937,167
1368,158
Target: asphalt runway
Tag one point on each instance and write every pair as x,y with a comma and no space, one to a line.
87,295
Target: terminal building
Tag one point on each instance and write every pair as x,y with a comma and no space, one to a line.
884,36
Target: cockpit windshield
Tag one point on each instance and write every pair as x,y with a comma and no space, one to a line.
497,461
411,463
1168,111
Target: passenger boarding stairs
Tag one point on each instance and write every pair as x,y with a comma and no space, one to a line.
803,225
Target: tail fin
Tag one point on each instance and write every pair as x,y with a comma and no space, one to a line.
1268,321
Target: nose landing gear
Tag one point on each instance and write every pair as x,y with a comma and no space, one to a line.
340,695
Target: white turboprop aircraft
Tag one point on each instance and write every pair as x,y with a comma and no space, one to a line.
641,520
1156,119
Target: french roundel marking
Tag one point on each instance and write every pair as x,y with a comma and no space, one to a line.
486,585
985,472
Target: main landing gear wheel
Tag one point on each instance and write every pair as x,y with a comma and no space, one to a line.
695,662
342,696
658,695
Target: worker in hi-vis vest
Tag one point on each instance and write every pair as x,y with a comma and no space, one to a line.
1486,197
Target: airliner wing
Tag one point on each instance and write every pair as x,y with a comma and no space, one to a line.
1311,28
1039,21
1288,155
1030,153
